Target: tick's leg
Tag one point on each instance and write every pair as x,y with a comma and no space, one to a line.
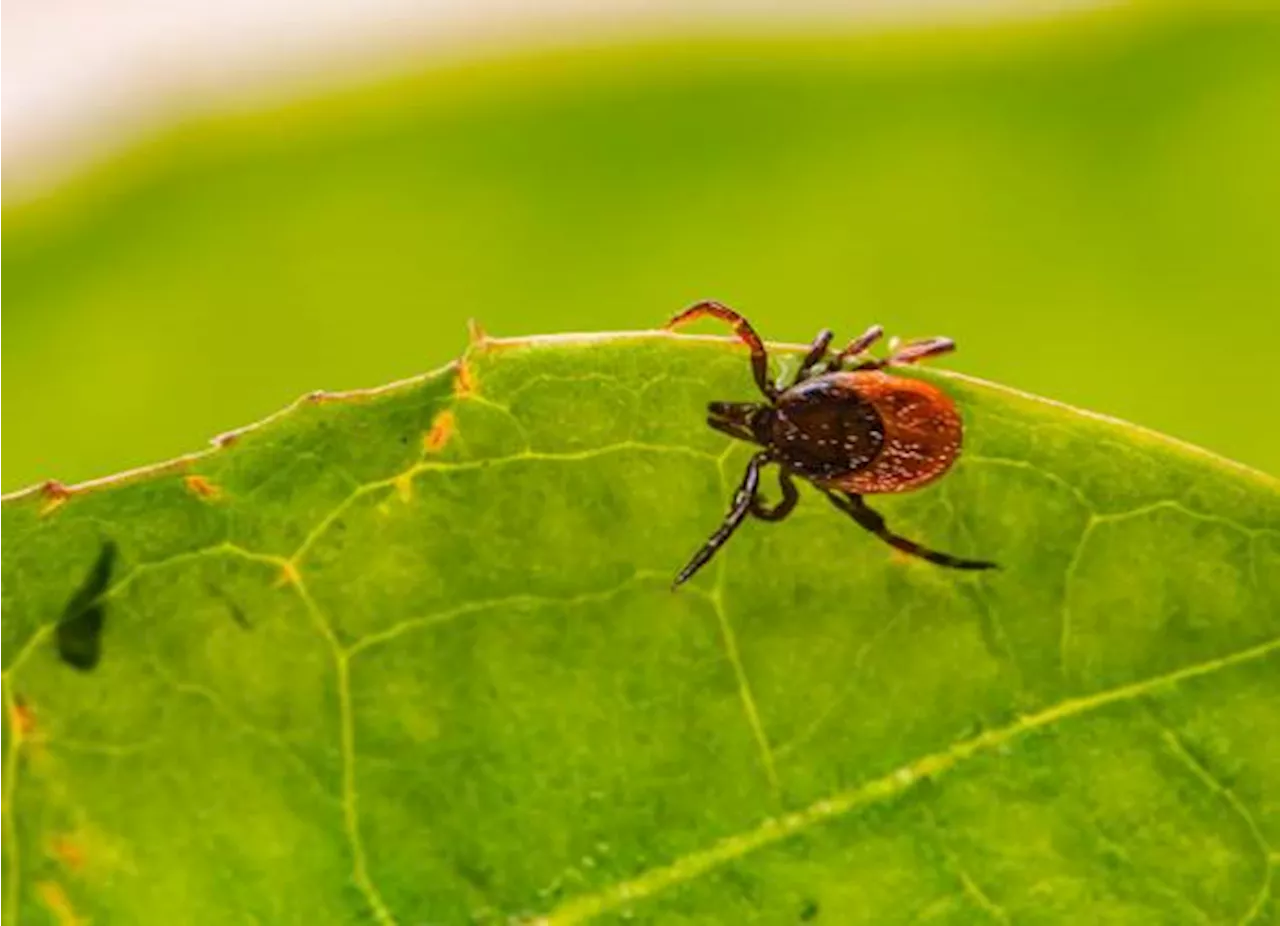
817,353
856,508
921,350
912,353
742,328
790,495
742,500
859,344
733,429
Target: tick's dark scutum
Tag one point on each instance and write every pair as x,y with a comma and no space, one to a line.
823,429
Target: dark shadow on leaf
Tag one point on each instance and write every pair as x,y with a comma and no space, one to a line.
80,629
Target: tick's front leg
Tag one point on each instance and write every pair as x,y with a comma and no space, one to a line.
790,496
742,501
742,328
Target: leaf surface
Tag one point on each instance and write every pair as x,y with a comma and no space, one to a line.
411,655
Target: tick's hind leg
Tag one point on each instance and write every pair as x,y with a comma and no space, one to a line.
856,508
742,503
911,353
921,350
742,328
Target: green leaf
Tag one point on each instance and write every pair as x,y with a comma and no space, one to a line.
411,655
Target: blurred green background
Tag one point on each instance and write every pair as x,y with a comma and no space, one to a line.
1090,207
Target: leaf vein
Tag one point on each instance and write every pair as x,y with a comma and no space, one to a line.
878,790
440,617
346,721
435,466
730,642
11,766
1201,772
969,887
210,697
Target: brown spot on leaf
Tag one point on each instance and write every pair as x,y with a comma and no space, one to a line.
55,899
67,852
55,496
22,719
442,428
288,575
464,384
202,487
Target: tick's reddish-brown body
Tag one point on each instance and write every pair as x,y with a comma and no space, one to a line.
849,432
866,432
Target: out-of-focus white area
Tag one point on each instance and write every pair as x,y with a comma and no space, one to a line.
81,77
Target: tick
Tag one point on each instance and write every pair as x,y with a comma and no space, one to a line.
850,432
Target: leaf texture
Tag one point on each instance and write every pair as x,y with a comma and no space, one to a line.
410,656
